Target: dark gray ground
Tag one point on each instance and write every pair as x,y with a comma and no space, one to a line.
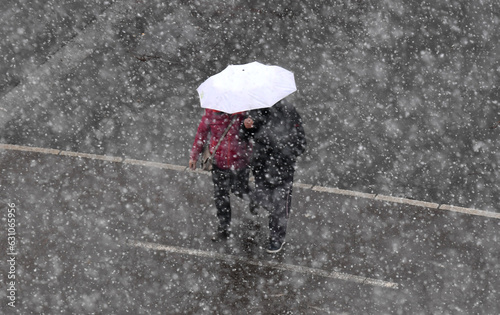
78,220
399,98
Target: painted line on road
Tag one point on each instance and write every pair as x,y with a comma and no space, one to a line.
475,212
406,201
331,190
156,164
266,264
28,149
343,192
302,185
92,156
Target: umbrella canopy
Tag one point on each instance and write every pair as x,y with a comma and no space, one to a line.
239,88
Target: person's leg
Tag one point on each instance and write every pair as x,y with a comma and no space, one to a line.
241,188
222,186
262,193
239,183
280,212
263,190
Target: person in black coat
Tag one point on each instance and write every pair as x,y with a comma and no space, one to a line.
279,138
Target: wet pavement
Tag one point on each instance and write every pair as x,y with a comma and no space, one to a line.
95,234
103,235
381,116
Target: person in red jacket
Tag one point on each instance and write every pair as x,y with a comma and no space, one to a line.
230,172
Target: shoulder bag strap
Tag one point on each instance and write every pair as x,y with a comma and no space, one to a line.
223,135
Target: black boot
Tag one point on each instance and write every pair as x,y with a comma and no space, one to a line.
275,246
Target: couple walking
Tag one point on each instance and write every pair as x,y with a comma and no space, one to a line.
265,141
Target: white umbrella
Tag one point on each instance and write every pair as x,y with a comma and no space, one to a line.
245,87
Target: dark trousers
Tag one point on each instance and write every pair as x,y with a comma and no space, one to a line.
275,197
225,182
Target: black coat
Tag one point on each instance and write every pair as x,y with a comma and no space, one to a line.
279,138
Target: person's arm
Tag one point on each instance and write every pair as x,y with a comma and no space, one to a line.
300,142
251,124
199,140
290,144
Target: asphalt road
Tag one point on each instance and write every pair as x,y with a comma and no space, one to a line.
120,78
103,235
94,234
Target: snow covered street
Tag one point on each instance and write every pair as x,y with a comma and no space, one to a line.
100,235
395,200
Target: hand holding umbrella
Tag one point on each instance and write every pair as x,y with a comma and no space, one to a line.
248,123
